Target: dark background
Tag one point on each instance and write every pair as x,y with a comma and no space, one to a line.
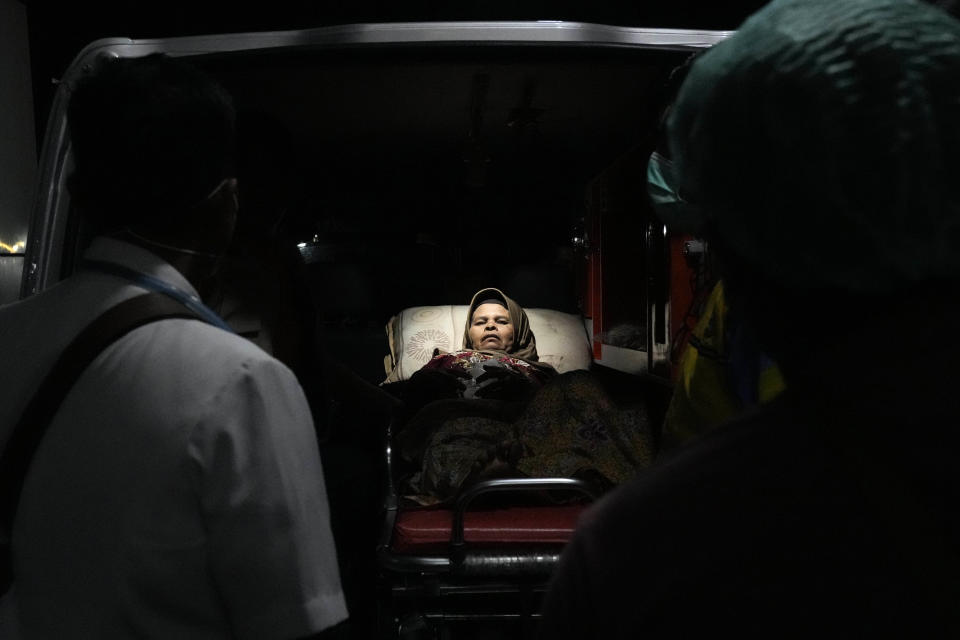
59,30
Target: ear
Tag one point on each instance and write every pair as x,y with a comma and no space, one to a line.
223,204
228,201
226,196
233,191
210,224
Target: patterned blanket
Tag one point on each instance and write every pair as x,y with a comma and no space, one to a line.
569,427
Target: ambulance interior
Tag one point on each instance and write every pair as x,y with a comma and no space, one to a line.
375,180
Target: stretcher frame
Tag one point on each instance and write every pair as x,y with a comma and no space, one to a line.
498,582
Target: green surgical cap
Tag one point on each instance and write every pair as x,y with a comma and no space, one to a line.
821,144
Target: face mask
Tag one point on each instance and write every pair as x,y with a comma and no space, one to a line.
169,247
675,212
217,193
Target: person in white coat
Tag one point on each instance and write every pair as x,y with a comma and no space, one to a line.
178,492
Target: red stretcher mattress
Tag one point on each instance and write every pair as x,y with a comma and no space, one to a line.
420,531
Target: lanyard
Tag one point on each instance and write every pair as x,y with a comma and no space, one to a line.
156,284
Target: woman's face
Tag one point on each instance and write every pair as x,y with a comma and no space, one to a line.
491,328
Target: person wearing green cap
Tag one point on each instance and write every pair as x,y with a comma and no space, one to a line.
820,147
721,371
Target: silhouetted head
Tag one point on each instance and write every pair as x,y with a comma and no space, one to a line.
153,144
820,145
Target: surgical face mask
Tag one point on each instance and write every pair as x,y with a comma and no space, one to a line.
675,212
220,191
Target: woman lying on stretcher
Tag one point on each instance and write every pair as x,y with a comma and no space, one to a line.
499,359
493,410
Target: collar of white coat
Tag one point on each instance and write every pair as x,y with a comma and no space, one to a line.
115,251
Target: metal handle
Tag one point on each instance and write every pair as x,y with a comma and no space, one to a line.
509,484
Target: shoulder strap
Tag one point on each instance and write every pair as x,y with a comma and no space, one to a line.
29,431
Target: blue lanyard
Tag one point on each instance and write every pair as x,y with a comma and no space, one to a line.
156,284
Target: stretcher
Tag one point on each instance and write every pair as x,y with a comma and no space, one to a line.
484,561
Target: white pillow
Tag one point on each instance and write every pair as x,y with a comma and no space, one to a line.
415,332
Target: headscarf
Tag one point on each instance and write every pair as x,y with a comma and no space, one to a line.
821,144
524,343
